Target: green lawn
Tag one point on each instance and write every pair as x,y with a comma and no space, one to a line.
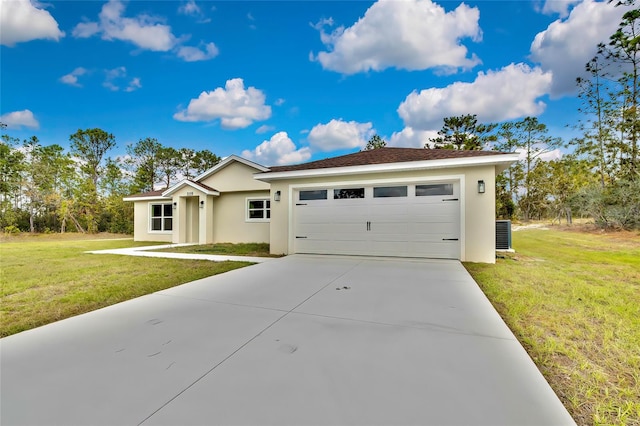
243,249
48,278
573,300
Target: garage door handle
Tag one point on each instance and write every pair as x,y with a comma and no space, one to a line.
449,199
300,204
368,226
300,237
449,239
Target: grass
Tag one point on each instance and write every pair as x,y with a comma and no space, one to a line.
49,277
245,249
573,301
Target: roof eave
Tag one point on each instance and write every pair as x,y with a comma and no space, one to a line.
145,198
500,161
193,185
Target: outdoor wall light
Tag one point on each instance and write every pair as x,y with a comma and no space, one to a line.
202,204
276,196
175,205
481,187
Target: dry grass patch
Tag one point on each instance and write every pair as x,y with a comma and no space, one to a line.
573,300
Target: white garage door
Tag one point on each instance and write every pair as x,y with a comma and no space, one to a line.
415,220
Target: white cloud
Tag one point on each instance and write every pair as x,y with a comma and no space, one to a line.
278,150
338,134
117,79
411,138
509,93
411,34
568,44
560,7
22,20
279,102
190,8
72,78
144,31
134,84
193,54
235,106
264,129
18,119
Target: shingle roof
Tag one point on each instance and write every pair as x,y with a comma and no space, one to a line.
147,194
202,185
383,156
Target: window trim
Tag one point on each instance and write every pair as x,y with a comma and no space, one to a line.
162,218
266,200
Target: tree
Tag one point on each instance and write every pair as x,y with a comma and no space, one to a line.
462,132
506,140
187,162
144,163
204,160
191,163
168,165
90,146
532,137
624,50
117,215
12,165
599,107
375,142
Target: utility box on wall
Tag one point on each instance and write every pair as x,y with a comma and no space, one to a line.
503,235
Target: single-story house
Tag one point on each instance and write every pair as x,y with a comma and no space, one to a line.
406,202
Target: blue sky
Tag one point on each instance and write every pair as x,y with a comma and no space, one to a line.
289,81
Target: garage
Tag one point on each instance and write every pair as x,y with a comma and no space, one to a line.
420,219
400,202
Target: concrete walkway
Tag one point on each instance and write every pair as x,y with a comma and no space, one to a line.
145,252
300,340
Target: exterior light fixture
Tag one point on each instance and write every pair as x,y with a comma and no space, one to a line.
202,204
481,187
276,196
175,206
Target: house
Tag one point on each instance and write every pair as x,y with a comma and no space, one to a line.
384,202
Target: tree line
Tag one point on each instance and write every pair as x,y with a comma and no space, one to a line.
45,189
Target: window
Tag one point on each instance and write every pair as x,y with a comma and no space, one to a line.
390,191
259,209
318,194
348,193
434,189
161,217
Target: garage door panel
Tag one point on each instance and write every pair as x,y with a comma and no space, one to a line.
330,247
439,228
441,250
421,226
383,248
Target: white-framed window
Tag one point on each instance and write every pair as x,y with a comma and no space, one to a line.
161,217
258,209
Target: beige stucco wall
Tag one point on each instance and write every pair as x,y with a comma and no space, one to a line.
229,219
478,215
235,177
141,226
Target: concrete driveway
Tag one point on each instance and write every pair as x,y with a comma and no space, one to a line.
302,340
